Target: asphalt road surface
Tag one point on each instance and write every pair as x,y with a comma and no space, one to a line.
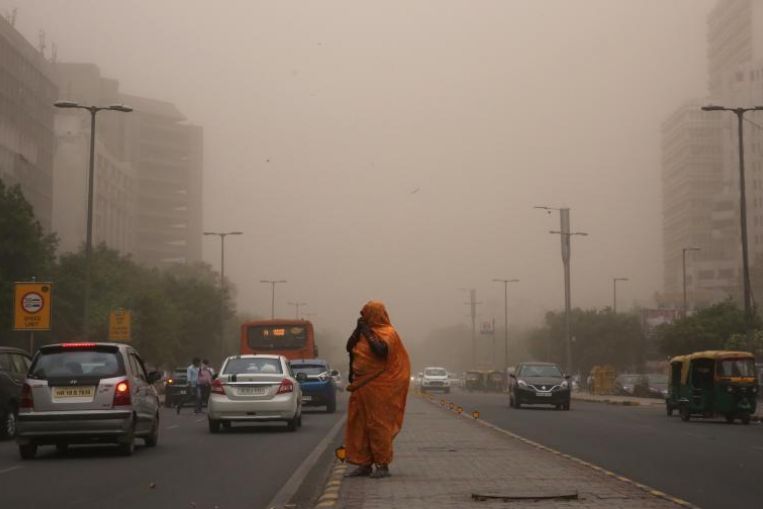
709,463
190,468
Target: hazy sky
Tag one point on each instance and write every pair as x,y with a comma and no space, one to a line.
322,118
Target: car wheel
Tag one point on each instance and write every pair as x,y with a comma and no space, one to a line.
745,418
685,416
126,446
27,451
566,406
331,407
153,438
214,426
9,424
293,424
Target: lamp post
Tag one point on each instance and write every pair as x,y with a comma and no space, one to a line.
614,291
739,112
505,320
683,269
565,235
273,284
90,178
298,305
222,236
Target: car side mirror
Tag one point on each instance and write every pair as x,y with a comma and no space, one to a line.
334,372
301,377
154,377
512,375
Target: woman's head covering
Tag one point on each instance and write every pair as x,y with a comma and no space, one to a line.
375,314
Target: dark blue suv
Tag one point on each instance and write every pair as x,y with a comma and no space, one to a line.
315,379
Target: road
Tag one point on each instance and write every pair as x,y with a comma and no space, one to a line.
709,463
190,468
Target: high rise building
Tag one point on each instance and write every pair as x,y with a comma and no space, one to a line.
27,92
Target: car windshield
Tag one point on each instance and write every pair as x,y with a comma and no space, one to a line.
252,366
309,369
540,370
435,372
52,364
736,368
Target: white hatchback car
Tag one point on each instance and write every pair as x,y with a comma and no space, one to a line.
255,388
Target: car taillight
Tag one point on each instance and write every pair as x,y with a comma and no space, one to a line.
122,394
26,397
217,387
286,386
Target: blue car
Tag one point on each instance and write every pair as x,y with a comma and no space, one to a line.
315,377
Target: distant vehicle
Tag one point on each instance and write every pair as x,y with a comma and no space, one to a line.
14,364
294,339
658,386
435,379
176,387
632,385
80,393
317,382
255,388
338,381
539,383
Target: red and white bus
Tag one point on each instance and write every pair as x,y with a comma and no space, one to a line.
294,339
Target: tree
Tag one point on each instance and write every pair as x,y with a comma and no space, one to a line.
26,251
707,329
600,337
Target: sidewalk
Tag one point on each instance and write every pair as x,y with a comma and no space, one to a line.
442,459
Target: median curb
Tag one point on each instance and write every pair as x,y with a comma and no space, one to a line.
453,408
330,495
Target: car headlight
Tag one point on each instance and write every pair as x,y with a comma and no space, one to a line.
521,383
565,384
323,376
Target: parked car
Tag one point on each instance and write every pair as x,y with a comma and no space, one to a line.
317,383
435,379
658,386
176,387
539,383
14,364
632,385
77,393
255,388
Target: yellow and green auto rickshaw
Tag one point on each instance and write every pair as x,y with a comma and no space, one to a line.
496,381
713,383
474,380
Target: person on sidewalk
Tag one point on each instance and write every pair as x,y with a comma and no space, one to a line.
379,376
192,375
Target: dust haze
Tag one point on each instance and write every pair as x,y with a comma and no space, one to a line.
395,150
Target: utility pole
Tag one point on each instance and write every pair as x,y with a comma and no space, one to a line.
614,291
298,305
473,314
505,320
222,236
273,284
565,234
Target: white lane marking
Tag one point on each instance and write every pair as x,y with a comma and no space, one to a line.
173,426
10,469
295,481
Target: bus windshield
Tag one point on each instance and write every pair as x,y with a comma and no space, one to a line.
270,337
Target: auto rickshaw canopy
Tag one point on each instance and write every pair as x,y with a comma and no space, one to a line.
714,355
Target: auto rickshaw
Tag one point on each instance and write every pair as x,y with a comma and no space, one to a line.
474,380
496,381
713,383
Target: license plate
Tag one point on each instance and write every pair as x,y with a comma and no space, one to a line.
182,392
543,394
307,398
252,391
74,392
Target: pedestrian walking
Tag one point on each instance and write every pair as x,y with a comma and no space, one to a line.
380,374
206,373
192,375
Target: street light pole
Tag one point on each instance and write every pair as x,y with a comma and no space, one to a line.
614,291
222,236
683,270
297,305
739,112
505,320
565,235
90,186
273,284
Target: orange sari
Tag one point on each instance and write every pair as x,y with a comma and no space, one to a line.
377,405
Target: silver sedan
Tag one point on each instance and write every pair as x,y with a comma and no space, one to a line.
255,388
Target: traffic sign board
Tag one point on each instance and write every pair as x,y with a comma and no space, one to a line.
32,304
120,322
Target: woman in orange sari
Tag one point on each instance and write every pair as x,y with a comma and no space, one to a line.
379,377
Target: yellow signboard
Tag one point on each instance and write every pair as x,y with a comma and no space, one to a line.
32,304
119,325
